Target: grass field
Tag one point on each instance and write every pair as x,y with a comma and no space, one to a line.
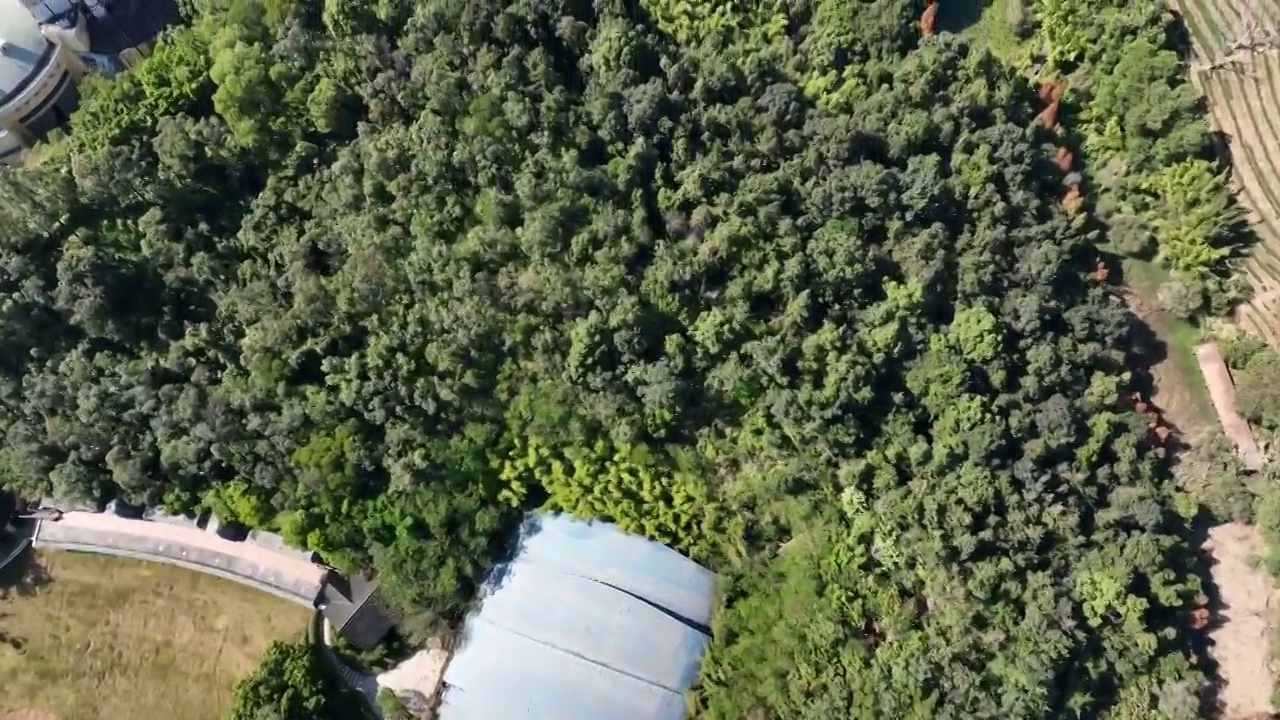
96,638
1244,100
1179,390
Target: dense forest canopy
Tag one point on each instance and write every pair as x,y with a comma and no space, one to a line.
787,287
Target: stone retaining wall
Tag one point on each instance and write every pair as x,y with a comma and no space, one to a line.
198,566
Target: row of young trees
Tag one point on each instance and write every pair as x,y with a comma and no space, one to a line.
785,287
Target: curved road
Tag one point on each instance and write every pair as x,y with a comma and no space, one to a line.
284,574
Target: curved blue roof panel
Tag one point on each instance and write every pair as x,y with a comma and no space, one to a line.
585,621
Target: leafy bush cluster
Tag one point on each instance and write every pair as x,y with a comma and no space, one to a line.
289,684
793,293
1147,149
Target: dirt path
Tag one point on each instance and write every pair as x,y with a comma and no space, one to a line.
1175,378
1241,642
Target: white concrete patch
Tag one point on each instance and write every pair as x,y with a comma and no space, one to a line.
421,673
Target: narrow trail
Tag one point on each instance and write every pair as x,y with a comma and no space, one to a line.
1172,390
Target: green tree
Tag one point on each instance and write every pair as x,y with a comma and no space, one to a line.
787,288
289,684
1193,216
1257,391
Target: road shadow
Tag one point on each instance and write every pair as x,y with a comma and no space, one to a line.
1196,622
24,576
1146,350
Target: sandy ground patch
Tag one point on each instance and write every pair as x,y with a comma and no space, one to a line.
421,673
1241,644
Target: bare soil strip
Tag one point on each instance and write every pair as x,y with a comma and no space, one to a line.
1241,642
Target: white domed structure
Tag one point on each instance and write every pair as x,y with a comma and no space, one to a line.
37,80
46,45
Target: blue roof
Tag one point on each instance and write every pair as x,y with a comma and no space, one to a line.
585,622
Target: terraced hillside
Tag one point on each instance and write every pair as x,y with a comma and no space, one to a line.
1243,89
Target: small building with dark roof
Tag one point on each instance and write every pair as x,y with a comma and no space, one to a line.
228,529
122,508
104,27
123,25
351,606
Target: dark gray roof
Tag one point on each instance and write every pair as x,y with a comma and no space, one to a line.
228,530
129,23
350,605
60,13
123,509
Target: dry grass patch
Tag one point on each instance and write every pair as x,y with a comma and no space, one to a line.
86,637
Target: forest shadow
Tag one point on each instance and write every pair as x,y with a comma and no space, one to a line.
1177,36
504,560
958,16
1146,348
1160,354
8,639
1242,235
23,577
1199,633
1220,146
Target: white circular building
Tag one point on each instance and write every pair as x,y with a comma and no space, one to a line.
37,80
47,45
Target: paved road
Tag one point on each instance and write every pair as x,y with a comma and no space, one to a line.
280,573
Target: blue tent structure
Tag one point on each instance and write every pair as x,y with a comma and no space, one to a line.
585,621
